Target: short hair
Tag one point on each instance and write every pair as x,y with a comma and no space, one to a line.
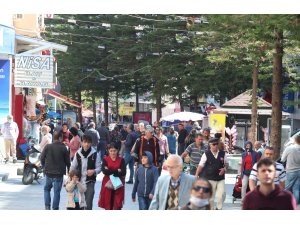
87,138
65,124
103,124
206,129
112,145
266,162
45,128
130,126
9,117
198,135
77,124
177,158
218,135
269,147
92,124
74,131
58,135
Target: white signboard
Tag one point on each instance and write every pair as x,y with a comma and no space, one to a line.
34,71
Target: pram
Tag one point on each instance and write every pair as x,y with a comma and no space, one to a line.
237,189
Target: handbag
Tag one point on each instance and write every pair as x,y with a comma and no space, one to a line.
109,185
116,182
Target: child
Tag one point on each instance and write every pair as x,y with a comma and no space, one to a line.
145,181
75,191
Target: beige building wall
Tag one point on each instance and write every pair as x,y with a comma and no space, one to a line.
29,24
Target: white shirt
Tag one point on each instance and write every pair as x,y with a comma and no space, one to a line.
10,130
204,158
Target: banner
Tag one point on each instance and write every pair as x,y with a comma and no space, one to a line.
5,89
34,71
217,123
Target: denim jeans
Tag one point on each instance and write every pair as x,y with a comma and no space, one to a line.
102,148
129,161
56,183
89,195
144,203
292,183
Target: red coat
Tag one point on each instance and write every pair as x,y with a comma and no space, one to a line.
107,194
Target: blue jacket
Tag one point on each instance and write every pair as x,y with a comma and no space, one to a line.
145,179
130,140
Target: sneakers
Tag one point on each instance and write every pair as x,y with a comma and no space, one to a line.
129,182
5,161
15,161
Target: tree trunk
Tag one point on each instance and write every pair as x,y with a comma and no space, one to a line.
137,108
180,101
94,108
277,94
106,106
79,109
117,106
253,129
158,107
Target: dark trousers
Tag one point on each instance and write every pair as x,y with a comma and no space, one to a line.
144,203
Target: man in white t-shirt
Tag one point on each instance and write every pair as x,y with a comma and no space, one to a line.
10,133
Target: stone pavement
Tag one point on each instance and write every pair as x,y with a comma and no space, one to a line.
14,195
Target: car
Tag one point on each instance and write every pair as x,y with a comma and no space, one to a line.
292,138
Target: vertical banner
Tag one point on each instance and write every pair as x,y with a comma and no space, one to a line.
217,123
5,89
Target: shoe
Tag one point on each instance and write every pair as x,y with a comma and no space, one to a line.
129,182
47,207
15,161
5,161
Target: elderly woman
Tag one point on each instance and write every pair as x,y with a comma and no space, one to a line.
111,199
47,137
201,192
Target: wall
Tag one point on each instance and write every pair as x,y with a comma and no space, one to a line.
28,24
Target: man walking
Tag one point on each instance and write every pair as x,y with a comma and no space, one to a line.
55,159
104,139
280,172
130,140
88,162
195,151
94,135
268,195
291,156
10,133
172,190
182,134
214,162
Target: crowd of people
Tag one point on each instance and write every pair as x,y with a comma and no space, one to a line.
150,150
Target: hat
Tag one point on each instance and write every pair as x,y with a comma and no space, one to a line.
214,141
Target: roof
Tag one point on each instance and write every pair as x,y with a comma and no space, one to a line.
244,100
247,111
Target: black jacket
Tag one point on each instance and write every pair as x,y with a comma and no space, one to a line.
55,158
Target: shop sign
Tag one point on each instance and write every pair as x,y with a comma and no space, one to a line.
34,71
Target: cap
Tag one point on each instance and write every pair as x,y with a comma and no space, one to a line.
214,141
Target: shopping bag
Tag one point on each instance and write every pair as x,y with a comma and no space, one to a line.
116,182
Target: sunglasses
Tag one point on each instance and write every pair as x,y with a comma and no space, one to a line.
205,189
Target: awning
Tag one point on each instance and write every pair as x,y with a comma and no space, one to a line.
64,98
248,111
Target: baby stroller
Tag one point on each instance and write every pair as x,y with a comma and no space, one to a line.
237,189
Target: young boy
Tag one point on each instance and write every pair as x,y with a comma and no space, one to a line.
145,181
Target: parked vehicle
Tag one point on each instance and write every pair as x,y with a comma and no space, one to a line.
32,169
292,138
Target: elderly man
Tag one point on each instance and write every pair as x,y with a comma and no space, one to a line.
149,143
10,133
172,190
214,163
